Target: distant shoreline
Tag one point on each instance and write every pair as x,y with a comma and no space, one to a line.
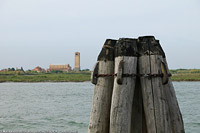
72,78
44,77
84,76
83,81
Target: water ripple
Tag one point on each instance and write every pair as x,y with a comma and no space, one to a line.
66,106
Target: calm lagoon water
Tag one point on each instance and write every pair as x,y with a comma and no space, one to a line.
66,106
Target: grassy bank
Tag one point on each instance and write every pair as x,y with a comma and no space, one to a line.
60,77
185,75
177,75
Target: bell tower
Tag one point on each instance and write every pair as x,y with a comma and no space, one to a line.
77,62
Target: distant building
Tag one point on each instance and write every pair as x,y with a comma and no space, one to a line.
77,62
39,69
3,70
66,67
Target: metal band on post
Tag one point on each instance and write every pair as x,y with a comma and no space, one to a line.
133,75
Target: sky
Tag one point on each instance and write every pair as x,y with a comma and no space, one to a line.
42,32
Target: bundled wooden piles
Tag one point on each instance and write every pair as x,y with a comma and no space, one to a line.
133,92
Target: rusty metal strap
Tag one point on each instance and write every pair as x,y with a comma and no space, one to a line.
129,75
153,75
111,75
132,75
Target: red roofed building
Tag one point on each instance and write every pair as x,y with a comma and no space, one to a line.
39,69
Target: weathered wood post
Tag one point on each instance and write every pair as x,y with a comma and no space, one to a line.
176,121
124,85
144,104
154,99
103,79
154,76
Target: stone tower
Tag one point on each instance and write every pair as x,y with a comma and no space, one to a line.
77,62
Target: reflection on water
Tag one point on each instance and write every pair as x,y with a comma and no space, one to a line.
66,106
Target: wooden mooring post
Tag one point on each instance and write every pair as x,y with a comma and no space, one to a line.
175,117
154,99
102,78
160,104
124,85
133,92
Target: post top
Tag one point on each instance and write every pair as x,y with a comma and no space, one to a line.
126,47
107,52
144,38
148,45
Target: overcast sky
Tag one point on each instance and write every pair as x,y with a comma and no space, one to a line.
42,32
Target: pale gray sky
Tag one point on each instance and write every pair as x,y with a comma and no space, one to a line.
42,32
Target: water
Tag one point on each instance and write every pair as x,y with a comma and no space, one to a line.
188,95
45,106
66,106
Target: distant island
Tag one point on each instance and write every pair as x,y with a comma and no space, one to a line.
55,73
51,76
19,75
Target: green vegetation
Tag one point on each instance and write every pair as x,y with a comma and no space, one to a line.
44,77
19,75
185,74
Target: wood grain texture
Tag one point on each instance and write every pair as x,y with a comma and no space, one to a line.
154,98
100,112
160,104
176,121
122,98
147,94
